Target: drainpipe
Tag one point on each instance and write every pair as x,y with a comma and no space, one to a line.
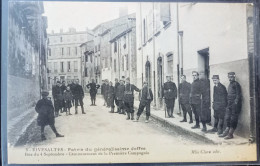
178,60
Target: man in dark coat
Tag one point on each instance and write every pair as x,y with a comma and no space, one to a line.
120,91
195,98
205,115
45,111
78,95
234,105
184,89
169,94
71,84
116,85
106,92
219,105
93,91
146,97
103,85
111,97
63,88
57,97
129,98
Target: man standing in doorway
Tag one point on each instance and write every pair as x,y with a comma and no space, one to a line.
184,89
219,105
129,98
169,94
93,91
234,105
78,95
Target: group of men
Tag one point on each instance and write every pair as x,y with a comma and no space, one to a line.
122,95
59,96
195,98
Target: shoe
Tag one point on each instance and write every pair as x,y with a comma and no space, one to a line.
195,127
111,111
229,137
59,135
43,137
191,121
184,120
225,133
172,116
70,114
128,118
83,112
213,130
220,131
204,129
230,134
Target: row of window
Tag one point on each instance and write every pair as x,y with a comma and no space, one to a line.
62,69
68,38
69,51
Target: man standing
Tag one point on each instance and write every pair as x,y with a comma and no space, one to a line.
219,105
63,88
205,115
146,97
195,98
120,97
234,105
129,98
106,92
116,85
57,97
169,94
103,91
111,96
78,95
72,85
184,89
93,91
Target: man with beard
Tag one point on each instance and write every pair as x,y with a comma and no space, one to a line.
169,94
129,98
219,105
234,99
184,89
78,95
57,97
93,91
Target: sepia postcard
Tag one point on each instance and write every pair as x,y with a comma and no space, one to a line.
130,82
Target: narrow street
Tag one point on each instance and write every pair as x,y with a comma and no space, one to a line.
98,125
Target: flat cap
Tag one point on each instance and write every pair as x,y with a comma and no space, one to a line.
215,77
231,74
45,93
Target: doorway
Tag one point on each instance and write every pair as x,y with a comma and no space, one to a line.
203,62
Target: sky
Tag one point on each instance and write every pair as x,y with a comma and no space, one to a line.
81,15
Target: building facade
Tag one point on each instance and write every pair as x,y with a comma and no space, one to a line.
64,55
26,63
175,39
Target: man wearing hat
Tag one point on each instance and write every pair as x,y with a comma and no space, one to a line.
93,91
129,98
57,97
195,98
146,97
78,95
234,105
120,90
184,89
169,94
219,104
45,110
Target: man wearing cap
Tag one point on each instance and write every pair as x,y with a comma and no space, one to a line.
205,115
146,97
234,105
169,94
129,98
93,91
45,110
219,105
78,95
120,97
184,89
195,98
57,97
116,85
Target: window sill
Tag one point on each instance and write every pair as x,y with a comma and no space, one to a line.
167,25
157,33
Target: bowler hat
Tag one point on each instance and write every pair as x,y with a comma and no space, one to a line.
215,77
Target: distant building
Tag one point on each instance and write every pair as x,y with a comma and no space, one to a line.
64,55
26,63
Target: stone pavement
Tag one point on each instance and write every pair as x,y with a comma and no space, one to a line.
185,127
